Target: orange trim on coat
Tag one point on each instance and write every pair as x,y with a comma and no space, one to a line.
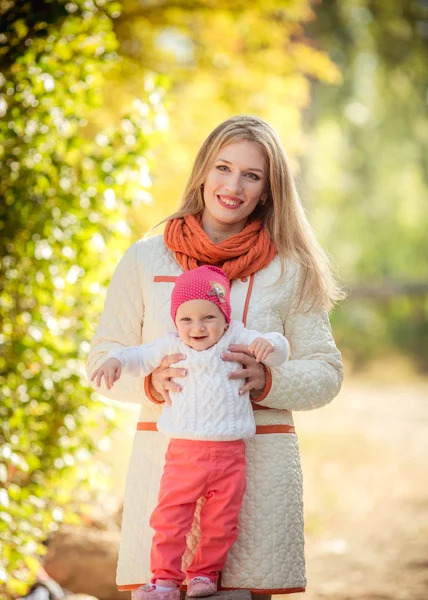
149,395
144,426
134,586
130,587
260,429
257,407
164,278
268,374
247,299
295,590
266,390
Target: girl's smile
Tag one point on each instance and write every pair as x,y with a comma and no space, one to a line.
200,323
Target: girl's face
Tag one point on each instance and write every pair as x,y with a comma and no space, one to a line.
234,185
200,324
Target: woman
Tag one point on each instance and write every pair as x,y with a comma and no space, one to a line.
239,211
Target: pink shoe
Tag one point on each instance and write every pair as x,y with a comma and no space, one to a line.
201,586
151,591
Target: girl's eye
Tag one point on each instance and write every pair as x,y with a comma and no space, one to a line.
210,317
185,319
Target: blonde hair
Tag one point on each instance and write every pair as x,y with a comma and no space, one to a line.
282,212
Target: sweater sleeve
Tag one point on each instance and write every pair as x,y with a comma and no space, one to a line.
141,360
120,325
314,375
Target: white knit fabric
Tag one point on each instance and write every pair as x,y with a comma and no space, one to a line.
209,406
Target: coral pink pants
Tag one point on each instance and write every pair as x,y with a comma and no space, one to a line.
194,469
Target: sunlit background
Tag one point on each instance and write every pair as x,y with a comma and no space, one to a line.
103,107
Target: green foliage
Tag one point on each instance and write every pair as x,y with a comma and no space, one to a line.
367,168
369,329
66,184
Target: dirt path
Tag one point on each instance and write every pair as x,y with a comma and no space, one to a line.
365,464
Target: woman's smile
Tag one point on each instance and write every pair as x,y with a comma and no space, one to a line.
230,202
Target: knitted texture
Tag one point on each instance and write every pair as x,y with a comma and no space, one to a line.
203,283
239,255
209,407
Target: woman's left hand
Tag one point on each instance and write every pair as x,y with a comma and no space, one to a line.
252,371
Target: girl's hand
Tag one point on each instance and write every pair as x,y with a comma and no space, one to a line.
161,377
253,371
110,369
261,348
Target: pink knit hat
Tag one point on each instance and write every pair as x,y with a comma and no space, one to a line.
203,283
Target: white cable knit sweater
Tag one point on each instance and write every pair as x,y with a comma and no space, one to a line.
209,407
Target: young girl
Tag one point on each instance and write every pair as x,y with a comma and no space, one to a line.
207,422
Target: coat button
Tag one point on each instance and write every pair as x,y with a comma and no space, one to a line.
244,279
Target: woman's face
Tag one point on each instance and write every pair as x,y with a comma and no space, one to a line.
233,186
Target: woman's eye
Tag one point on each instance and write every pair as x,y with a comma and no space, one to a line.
224,169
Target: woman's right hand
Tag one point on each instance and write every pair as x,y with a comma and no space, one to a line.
161,377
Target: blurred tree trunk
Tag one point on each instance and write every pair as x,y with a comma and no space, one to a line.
83,560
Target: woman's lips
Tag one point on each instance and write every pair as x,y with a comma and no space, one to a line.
223,201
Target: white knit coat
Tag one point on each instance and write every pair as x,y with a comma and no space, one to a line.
209,407
268,555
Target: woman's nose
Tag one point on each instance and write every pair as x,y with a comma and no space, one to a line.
234,184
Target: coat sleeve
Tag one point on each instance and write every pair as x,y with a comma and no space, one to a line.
314,375
120,325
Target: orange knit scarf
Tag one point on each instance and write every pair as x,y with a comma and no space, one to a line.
239,255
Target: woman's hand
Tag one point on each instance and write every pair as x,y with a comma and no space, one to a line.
161,377
252,371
